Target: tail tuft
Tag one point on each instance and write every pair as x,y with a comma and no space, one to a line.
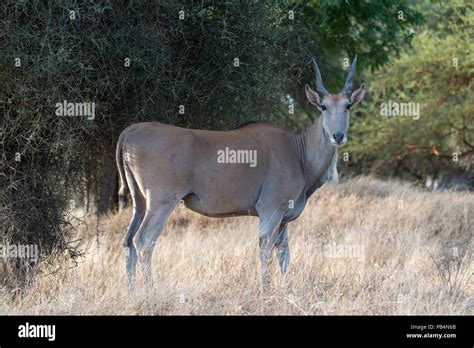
123,202
123,199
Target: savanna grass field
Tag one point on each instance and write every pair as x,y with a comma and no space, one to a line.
362,246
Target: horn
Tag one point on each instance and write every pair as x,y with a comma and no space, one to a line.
319,81
350,76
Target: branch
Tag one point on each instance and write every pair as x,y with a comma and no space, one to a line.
435,151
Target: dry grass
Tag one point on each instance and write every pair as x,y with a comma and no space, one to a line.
416,258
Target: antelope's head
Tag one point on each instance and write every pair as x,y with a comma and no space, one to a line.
335,108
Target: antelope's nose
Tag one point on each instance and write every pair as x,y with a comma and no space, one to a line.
338,137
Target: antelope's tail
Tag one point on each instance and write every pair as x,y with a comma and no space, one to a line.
124,190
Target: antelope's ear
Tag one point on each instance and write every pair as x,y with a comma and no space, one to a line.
358,95
312,96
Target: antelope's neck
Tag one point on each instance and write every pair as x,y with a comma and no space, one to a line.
317,152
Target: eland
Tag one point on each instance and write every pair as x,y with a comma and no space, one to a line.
257,169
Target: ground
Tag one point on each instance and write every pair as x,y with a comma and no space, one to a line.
363,246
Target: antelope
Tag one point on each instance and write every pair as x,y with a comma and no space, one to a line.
160,165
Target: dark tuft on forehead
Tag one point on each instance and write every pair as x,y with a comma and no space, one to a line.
340,96
335,98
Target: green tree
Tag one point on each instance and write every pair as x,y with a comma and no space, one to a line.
436,73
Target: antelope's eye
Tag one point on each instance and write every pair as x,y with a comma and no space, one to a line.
349,106
322,107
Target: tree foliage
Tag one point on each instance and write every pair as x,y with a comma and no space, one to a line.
435,72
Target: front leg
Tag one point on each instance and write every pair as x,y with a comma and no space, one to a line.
266,242
270,221
283,248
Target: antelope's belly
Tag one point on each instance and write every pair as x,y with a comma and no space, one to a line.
212,208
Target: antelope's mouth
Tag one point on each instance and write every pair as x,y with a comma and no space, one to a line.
338,143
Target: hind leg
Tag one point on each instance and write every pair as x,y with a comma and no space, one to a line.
137,218
130,251
158,209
